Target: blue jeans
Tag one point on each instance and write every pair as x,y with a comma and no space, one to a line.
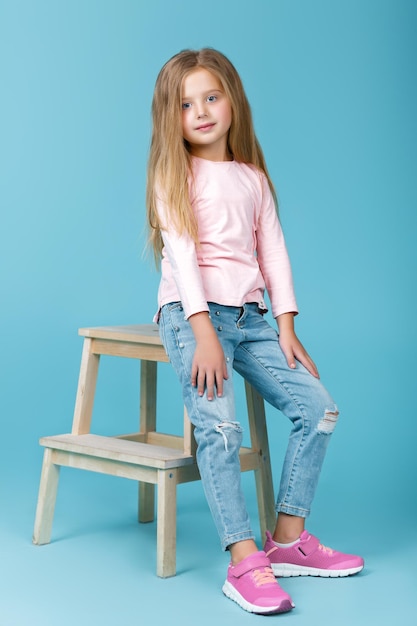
251,347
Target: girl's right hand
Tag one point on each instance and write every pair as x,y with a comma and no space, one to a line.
209,364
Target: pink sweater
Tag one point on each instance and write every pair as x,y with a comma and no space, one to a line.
242,248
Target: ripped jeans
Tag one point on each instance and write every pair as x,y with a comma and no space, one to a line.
251,347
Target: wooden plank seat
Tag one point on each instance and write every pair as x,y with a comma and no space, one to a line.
119,449
149,457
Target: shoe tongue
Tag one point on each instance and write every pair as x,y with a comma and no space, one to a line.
304,535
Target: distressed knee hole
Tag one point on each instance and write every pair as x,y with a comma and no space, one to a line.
328,423
224,428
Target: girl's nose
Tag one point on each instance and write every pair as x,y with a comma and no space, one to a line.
201,112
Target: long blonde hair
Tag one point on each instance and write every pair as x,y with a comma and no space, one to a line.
169,164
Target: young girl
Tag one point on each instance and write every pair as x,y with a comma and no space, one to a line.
213,220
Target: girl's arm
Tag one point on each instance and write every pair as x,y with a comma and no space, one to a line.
273,256
182,269
291,345
276,269
209,365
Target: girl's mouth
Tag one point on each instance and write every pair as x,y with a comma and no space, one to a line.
204,127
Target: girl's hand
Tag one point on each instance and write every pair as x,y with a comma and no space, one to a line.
292,346
209,365
209,368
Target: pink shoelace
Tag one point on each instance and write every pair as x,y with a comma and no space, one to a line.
263,577
325,549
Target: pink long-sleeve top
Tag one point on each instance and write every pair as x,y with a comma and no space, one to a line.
241,248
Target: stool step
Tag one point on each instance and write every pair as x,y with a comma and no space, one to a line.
121,450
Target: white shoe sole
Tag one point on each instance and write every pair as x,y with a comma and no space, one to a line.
233,594
285,570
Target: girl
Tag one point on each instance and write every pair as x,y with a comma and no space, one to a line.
213,220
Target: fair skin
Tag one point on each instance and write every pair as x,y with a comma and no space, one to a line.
206,120
206,116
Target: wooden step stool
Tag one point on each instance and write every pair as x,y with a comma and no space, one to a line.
147,456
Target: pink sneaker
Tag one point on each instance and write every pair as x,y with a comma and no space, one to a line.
251,583
308,557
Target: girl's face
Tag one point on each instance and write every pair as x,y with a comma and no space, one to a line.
206,115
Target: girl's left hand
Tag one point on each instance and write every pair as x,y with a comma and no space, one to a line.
292,347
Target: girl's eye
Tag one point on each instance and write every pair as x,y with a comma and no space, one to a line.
186,105
211,98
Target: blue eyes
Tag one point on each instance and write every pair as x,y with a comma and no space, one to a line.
187,105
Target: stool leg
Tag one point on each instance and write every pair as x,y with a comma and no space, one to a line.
166,523
86,389
46,500
146,512
263,475
148,380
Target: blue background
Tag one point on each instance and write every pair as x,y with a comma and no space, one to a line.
333,91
